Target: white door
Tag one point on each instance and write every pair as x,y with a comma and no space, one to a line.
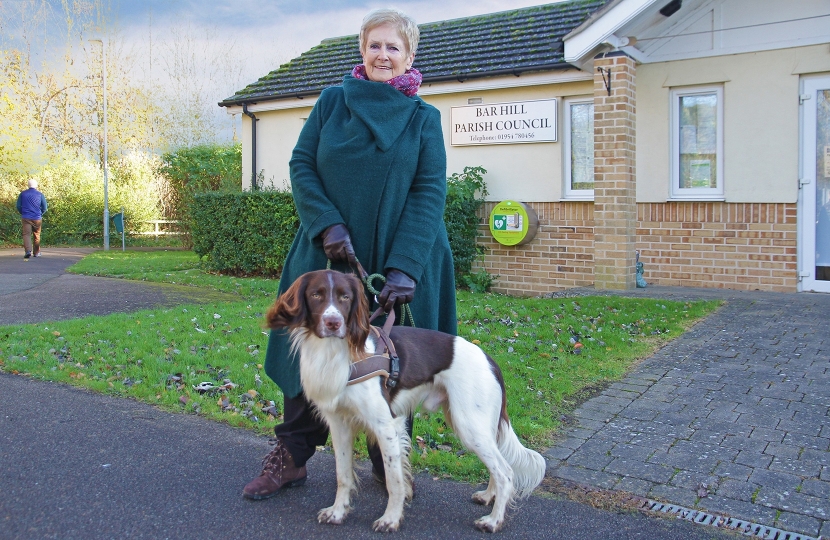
814,195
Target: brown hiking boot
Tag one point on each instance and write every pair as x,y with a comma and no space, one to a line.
278,471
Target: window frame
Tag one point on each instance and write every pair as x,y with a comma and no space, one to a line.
697,194
567,192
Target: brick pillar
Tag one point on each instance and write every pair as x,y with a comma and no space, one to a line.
615,205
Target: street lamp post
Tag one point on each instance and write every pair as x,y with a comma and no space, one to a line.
105,163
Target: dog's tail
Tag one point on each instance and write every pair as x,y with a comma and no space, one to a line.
528,466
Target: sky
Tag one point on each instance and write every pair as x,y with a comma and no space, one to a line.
255,37
266,33
220,46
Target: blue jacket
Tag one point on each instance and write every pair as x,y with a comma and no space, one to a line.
31,204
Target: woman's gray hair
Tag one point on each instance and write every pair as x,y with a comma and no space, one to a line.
32,183
404,23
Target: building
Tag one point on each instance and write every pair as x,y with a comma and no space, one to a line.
696,132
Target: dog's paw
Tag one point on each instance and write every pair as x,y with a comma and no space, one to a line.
385,524
481,497
331,515
487,524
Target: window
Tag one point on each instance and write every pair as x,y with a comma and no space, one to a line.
697,143
579,149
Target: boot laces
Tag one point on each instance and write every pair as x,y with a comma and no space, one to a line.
274,462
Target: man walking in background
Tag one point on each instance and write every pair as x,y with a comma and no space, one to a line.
32,205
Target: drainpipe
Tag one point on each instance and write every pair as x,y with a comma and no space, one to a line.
254,120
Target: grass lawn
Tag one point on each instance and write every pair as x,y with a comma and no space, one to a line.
553,352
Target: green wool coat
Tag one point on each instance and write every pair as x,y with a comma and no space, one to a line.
374,159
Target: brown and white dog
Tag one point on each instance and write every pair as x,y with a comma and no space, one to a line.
328,317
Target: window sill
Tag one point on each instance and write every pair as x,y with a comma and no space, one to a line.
698,198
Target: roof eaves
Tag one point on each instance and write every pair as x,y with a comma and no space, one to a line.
459,76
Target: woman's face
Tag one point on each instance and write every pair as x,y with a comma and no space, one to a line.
385,54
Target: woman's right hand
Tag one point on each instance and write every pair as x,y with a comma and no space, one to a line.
399,289
338,244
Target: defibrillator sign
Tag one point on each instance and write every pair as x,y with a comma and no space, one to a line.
513,223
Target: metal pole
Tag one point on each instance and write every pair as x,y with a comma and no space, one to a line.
123,229
106,165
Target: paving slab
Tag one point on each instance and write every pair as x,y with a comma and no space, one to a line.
753,380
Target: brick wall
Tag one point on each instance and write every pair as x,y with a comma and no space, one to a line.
724,245
689,244
615,207
561,255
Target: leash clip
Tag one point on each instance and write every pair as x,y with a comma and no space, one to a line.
395,371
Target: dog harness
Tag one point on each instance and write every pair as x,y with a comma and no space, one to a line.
384,363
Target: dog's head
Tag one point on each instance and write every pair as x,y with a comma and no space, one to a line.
326,303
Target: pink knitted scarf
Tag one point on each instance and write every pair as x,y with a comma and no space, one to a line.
408,83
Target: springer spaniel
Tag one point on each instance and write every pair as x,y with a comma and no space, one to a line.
328,317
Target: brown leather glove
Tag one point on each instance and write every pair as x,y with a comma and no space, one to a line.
399,289
338,244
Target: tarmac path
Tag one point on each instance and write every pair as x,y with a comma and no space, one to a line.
39,290
74,464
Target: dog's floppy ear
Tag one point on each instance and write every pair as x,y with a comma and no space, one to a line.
289,311
358,325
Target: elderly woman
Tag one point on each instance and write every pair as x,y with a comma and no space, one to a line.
368,175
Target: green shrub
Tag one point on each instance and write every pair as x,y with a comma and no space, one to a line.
74,191
198,169
244,233
477,282
251,233
9,218
465,195
75,194
138,189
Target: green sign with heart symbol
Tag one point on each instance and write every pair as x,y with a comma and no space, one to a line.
513,223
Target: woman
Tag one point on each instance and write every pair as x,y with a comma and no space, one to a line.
368,175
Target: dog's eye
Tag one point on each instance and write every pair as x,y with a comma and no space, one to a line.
345,297
316,296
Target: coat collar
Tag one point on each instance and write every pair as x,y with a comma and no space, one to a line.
384,110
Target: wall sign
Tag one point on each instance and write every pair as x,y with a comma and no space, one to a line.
504,123
513,223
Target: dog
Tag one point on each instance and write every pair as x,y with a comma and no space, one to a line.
327,315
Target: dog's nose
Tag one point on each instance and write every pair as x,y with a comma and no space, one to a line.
333,323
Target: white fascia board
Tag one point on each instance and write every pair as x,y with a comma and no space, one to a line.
636,54
444,87
275,105
579,45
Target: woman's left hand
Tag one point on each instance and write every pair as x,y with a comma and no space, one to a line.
399,289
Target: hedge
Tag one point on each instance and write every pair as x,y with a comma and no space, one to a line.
244,233
250,233
198,169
